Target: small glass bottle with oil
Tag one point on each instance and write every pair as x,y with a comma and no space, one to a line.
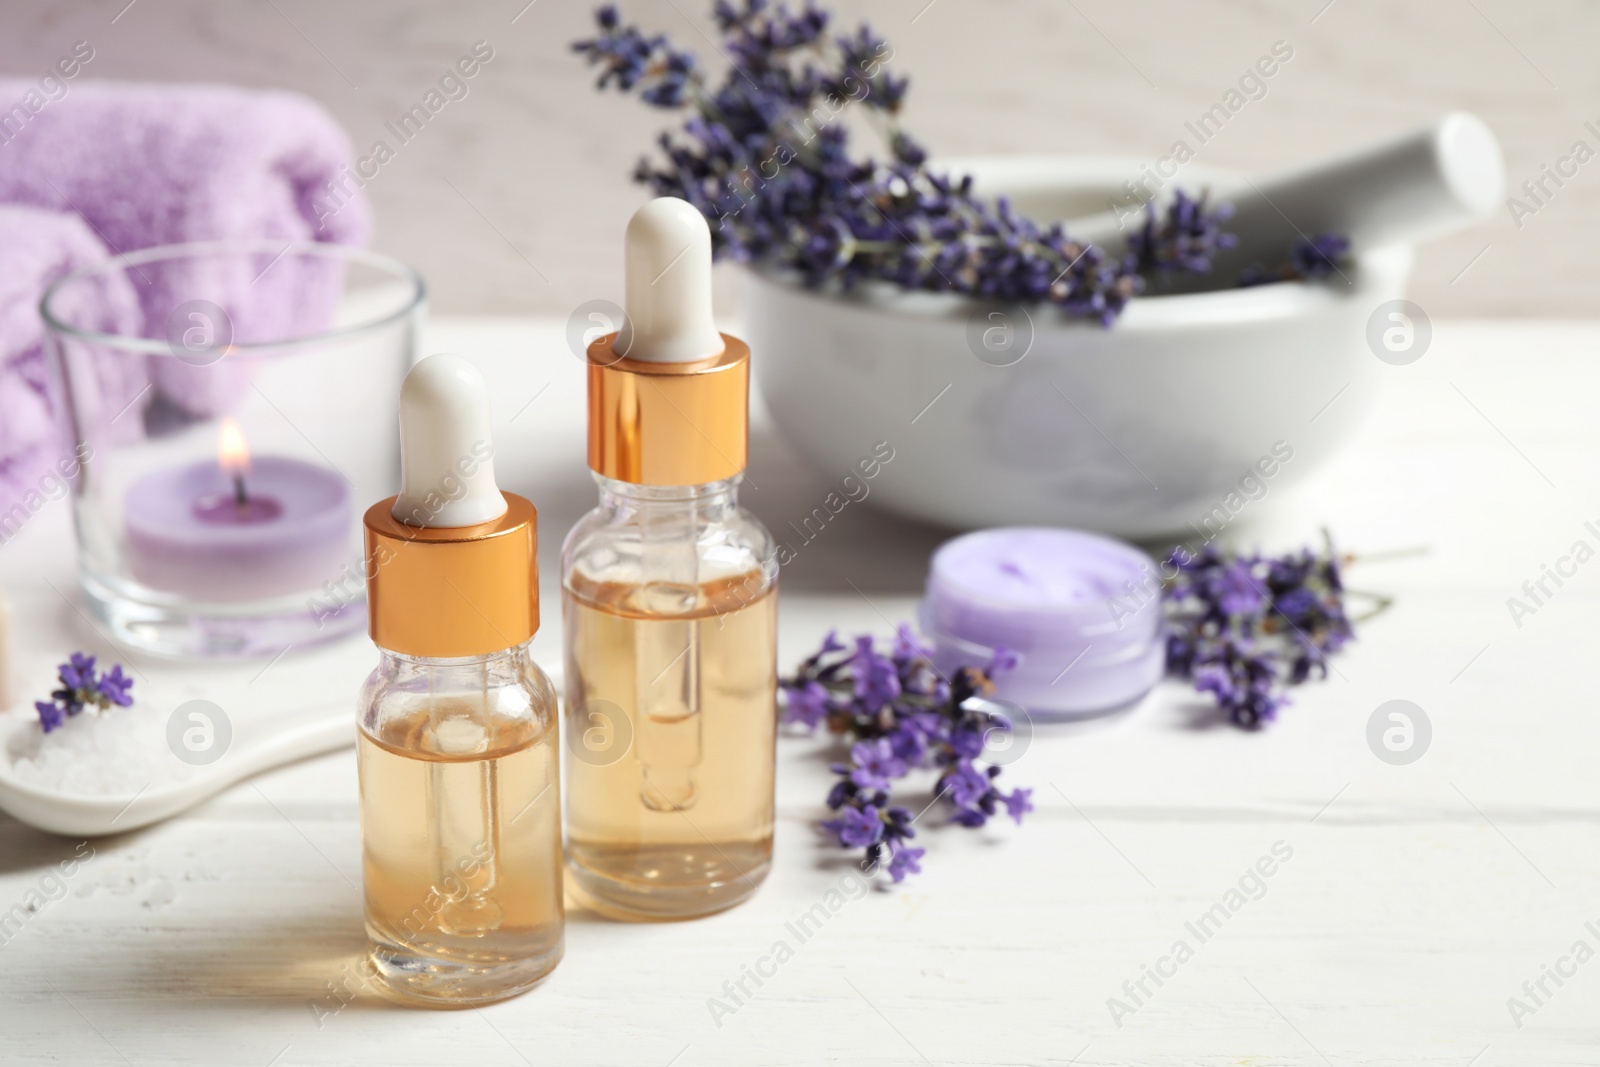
669,605
458,759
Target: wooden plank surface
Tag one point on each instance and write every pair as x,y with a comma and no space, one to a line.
1416,900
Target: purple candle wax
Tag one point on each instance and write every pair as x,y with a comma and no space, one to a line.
1081,611
188,533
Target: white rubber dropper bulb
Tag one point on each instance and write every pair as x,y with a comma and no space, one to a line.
446,454
667,254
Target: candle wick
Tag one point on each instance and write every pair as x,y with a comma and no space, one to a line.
240,496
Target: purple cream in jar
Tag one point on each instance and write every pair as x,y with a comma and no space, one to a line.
1081,612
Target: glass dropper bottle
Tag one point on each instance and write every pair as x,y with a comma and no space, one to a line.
670,604
459,765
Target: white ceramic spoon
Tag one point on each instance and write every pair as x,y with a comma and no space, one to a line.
257,745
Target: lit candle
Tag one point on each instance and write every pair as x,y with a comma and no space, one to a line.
1081,612
237,529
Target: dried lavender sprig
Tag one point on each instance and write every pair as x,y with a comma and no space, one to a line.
764,159
81,687
900,715
1311,258
1245,627
1185,238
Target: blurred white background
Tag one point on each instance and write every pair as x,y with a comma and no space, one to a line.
512,200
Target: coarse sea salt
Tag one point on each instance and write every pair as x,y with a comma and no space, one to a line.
116,752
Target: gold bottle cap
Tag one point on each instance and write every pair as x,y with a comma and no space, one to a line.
452,566
669,395
654,423
447,592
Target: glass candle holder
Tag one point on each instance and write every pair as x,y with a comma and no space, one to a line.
223,453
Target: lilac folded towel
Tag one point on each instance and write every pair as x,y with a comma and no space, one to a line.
162,164
36,248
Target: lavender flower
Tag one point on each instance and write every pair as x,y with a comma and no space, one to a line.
1318,256
856,827
909,742
1244,681
1018,803
966,743
115,687
808,705
77,672
1235,590
765,156
1185,239
1310,258
80,688
1245,627
628,58
906,862
965,784
877,681
51,714
900,715
875,764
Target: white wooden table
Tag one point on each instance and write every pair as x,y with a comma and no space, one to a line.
1417,899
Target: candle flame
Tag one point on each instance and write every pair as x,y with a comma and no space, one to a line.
233,451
